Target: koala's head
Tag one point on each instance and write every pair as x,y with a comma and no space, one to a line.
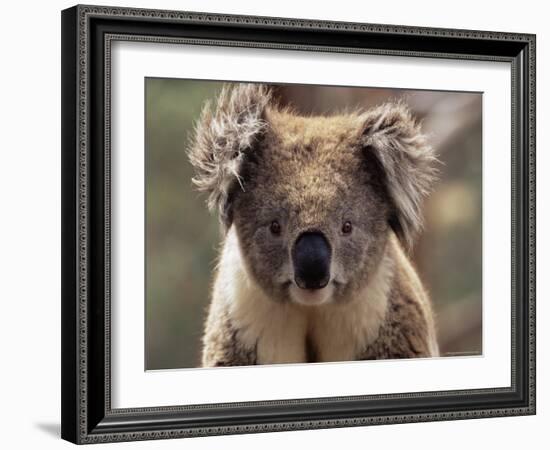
312,199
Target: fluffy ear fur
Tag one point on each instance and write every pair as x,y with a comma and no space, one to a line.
408,162
224,135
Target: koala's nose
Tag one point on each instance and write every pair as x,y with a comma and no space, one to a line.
311,258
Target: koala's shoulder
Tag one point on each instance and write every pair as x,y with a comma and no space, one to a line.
408,330
221,343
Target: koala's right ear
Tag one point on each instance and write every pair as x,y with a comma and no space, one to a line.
224,135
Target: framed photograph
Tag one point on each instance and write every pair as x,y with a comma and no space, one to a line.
281,224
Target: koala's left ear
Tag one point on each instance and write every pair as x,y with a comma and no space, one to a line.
394,138
224,136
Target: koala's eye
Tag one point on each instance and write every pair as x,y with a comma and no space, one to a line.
275,228
346,228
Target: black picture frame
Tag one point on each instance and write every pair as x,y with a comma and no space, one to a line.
87,33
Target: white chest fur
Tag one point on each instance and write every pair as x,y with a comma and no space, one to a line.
279,331
340,332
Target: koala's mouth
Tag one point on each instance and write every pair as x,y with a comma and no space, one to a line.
311,296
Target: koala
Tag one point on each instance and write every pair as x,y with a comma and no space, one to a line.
318,216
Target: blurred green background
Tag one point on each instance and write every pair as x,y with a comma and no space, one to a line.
182,237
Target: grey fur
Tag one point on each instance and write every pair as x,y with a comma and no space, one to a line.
397,141
223,137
